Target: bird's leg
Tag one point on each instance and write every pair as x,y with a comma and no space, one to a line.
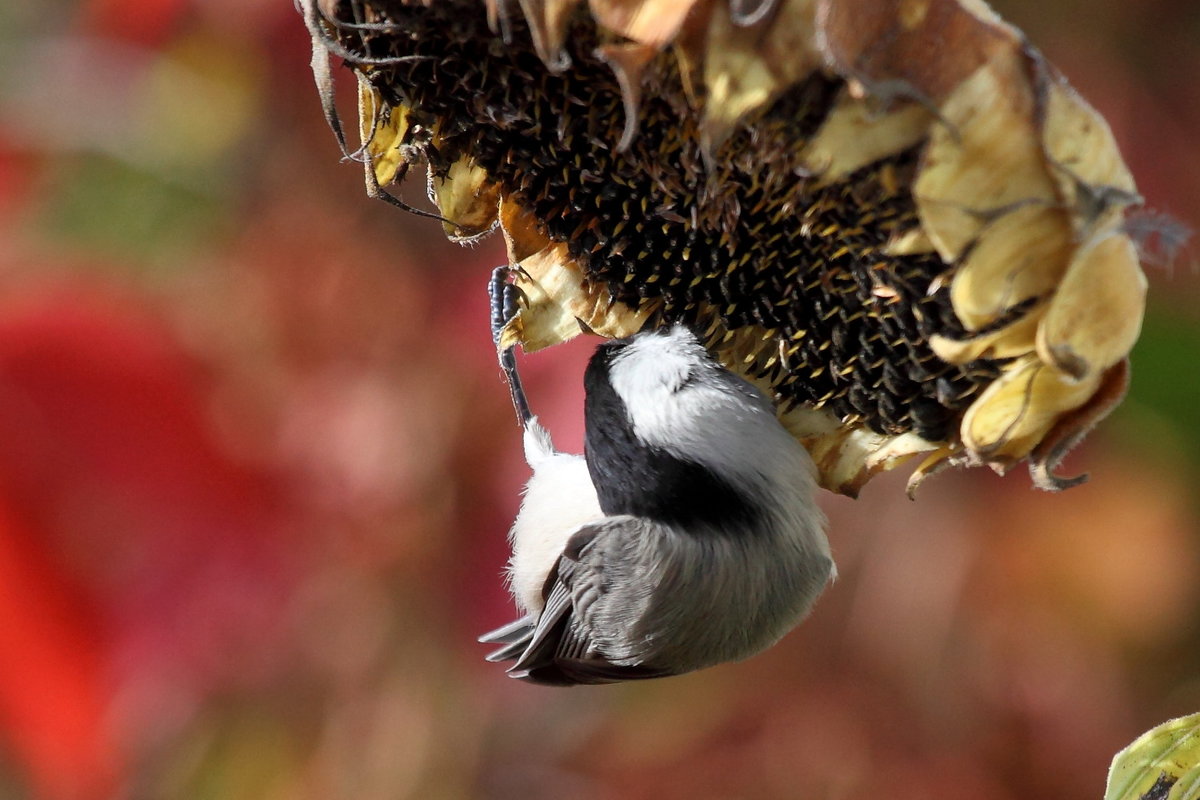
505,303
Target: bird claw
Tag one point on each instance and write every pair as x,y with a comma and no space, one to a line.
505,302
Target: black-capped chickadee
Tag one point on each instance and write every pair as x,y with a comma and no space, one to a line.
686,536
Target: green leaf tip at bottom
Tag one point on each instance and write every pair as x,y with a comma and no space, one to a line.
1161,764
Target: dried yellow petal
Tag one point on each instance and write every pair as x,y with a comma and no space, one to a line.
846,458
524,234
855,135
382,129
1083,157
1013,414
912,242
746,67
556,300
1096,315
1019,256
1013,340
467,199
651,22
984,160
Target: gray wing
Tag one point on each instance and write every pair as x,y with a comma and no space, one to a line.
514,636
554,649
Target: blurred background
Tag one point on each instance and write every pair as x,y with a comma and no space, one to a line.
257,466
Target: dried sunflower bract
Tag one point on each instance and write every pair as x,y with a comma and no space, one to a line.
894,217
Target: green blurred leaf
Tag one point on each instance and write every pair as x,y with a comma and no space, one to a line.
116,210
1163,384
249,753
1161,764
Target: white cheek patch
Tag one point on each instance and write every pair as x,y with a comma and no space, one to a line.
648,374
643,373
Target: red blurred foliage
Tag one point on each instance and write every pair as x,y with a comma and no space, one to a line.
133,547
54,691
145,22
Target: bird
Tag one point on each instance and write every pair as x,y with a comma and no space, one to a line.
686,535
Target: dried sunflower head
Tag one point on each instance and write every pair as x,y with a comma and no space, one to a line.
894,217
